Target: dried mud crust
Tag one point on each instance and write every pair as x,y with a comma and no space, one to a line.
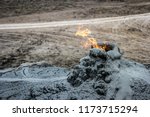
109,77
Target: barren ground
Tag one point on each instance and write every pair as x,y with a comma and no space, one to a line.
60,47
62,10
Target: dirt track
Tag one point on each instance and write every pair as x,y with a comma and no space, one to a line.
72,23
59,46
25,11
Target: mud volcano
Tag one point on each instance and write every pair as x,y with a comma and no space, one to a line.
102,74
96,66
112,77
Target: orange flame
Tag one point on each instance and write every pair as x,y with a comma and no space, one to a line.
83,32
90,41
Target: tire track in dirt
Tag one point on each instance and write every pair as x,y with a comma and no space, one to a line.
70,23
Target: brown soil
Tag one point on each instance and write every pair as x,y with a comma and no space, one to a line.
58,10
59,46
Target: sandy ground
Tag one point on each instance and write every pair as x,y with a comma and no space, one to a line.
59,46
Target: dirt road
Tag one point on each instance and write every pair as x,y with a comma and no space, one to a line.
56,43
71,23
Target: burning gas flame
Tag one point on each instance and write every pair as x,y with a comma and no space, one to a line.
90,41
83,32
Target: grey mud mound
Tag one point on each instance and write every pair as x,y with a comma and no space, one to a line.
100,75
111,76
